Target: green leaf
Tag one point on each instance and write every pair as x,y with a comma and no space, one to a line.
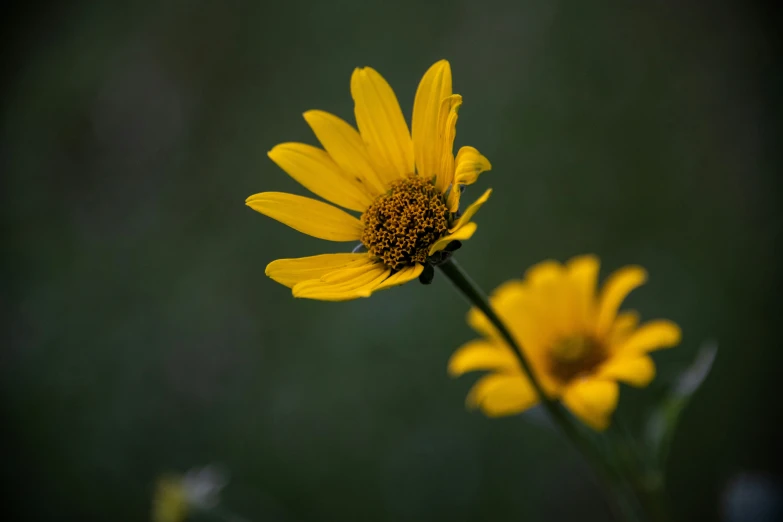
663,422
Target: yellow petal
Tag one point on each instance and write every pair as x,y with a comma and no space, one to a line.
409,273
346,148
482,355
623,326
435,85
503,300
593,401
615,290
464,233
349,272
359,285
556,297
626,321
544,273
452,201
381,124
651,336
507,292
468,165
471,211
636,371
351,275
369,287
502,394
447,131
481,325
317,172
288,272
308,216
583,272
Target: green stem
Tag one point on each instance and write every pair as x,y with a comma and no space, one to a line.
622,507
647,481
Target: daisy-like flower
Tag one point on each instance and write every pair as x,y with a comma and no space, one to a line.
577,343
405,186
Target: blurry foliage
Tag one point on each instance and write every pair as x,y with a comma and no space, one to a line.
142,334
664,419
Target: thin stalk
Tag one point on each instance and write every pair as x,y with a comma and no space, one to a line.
622,507
647,481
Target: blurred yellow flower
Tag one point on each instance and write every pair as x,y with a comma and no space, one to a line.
579,346
406,185
169,503
176,496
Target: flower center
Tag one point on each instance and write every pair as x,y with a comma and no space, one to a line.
573,356
401,225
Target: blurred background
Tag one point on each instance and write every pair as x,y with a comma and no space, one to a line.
140,332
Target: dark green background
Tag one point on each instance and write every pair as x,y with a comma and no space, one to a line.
143,336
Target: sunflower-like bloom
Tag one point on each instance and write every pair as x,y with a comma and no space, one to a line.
576,342
405,185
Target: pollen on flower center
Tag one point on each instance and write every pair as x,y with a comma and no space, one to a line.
572,356
401,225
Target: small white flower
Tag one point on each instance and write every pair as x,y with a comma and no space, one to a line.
202,486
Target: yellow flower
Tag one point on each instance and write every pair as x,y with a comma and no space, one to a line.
170,501
406,186
576,342
176,496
